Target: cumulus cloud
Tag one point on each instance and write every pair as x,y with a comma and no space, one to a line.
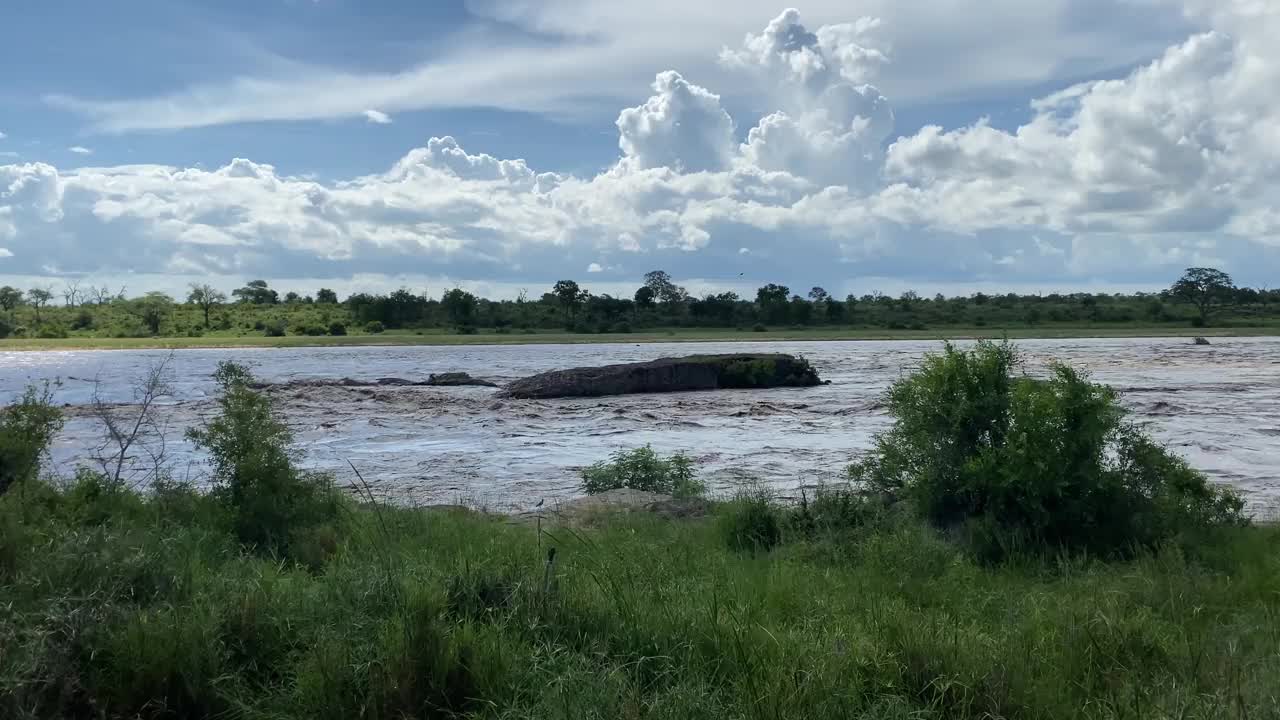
377,117
5,252
681,127
1127,179
80,150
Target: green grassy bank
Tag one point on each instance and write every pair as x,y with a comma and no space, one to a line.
647,336
116,606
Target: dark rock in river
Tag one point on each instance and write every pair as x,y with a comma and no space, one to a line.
1201,341
696,372
457,378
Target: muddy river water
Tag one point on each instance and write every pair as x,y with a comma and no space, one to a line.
1218,406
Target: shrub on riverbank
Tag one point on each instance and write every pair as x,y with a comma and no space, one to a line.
1011,461
644,469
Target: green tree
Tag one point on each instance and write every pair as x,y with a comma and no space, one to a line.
10,299
256,292
818,295
772,299
664,290
152,309
645,297
1205,288
39,297
460,307
570,297
205,297
325,296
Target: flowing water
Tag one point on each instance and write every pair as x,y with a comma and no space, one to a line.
1218,406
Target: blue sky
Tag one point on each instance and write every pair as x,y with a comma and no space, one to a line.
947,145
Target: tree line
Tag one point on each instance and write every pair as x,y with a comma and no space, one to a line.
1200,297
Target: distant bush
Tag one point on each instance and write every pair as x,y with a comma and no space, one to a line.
83,320
759,328
337,328
275,506
1015,461
643,469
1197,322
51,331
751,522
374,326
5,329
195,332
623,328
274,328
310,330
26,428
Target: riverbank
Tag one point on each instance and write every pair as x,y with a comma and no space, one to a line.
675,335
147,607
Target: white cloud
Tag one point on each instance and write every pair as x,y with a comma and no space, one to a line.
80,150
681,127
1123,181
608,52
3,136
5,253
377,117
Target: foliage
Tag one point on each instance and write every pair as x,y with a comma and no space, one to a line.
275,328
27,426
256,292
644,469
751,522
374,327
337,327
1206,289
115,604
1050,462
272,502
101,314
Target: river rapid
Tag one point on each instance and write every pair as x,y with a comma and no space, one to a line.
1218,406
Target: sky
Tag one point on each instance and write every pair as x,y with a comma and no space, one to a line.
497,145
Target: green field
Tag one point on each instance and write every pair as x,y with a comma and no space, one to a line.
647,336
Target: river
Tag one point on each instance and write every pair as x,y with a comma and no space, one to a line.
1218,406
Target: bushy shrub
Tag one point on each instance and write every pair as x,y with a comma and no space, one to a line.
643,469
274,328
83,320
310,330
751,522
337,328
837,511
1046,463
272,502
51,331
26,428
623,327
374,326
5,329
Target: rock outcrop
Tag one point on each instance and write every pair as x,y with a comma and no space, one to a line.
1201,341
440,380
696,372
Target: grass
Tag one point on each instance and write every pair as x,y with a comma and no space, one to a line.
124,606
438,337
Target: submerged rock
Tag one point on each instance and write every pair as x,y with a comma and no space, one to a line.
1201,341
457,378
696,372
434,380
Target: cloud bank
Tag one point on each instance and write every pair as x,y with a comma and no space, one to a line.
1123,180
